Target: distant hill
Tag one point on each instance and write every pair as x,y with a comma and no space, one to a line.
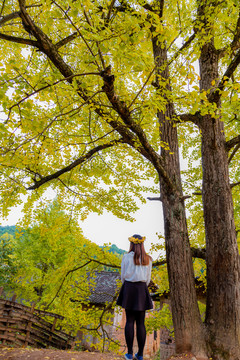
7,229
115,250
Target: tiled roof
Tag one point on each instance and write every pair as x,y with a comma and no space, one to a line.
106,287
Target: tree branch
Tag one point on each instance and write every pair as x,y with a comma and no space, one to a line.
131,132
143,86
159,262
154,198
81,160
19,40
235,44
9,17
234,152
160,8
66,40
14,15
123,111
2,7
51,85
199,253
28,41
61,285
110,9
216,95
183,47
104,264
200,291
47,47
231,143
189,117
234,184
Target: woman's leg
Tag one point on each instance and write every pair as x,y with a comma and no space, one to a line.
141,331
129,330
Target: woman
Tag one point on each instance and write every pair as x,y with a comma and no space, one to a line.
134,295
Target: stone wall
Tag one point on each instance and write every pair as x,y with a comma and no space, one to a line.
167,345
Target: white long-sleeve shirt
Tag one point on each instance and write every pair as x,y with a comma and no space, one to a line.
134,273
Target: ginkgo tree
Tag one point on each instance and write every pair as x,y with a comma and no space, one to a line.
97,96
52,265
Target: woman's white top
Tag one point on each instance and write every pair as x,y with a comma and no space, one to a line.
134,273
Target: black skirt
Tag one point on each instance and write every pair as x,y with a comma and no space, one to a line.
135,296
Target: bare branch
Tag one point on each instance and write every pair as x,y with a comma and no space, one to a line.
154,198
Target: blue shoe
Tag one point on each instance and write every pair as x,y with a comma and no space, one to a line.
138,357
128,356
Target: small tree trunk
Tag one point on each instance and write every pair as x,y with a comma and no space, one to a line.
188,327
222,257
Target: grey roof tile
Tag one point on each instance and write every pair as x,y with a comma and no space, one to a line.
106,287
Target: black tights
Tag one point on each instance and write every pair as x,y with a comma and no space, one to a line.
139,317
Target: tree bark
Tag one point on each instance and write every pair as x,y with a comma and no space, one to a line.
188,327
222,257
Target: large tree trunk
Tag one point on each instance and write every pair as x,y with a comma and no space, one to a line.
188,327
223,287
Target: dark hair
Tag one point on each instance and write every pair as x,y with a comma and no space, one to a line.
139,251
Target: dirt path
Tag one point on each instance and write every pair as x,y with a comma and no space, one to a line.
48,354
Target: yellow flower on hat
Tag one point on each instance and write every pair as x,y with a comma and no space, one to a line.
137,239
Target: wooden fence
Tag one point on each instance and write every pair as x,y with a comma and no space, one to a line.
21,325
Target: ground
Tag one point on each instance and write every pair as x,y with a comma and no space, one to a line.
48,354
185,356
